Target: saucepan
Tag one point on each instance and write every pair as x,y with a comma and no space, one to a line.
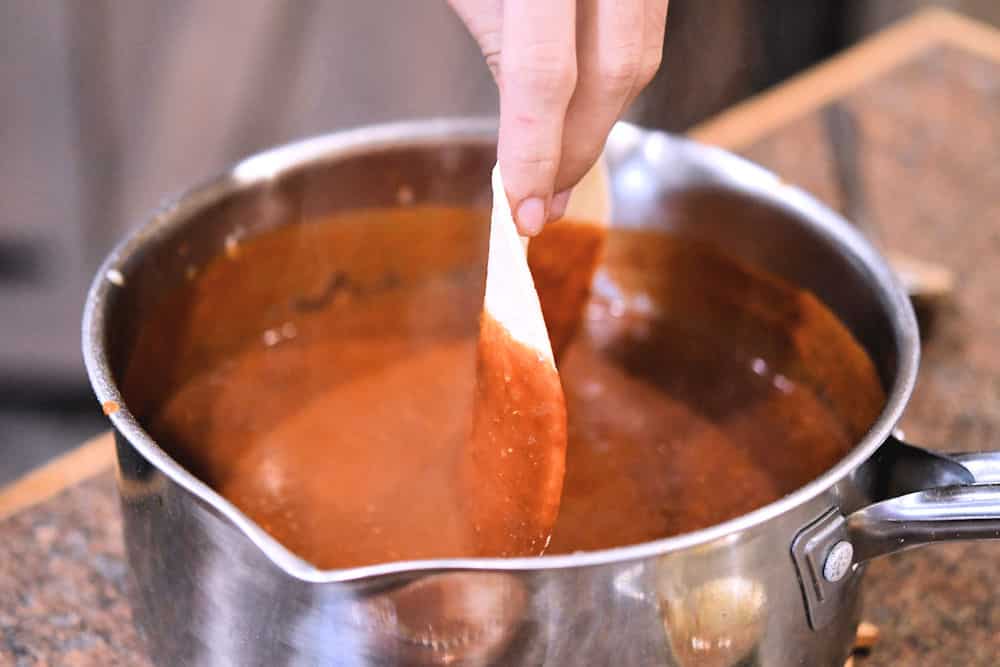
777,586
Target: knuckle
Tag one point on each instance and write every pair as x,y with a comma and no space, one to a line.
551,74
493,63
532,153
620,71
534,161
489,44
525,169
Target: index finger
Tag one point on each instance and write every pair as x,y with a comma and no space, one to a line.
537,78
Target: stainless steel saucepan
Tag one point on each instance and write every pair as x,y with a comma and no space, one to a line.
778,586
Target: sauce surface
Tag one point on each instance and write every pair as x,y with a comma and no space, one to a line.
323,379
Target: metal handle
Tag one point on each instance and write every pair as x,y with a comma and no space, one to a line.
984,466
964,511
925,497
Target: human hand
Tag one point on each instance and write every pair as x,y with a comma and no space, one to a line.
567,70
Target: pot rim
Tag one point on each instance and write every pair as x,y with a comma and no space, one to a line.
739,174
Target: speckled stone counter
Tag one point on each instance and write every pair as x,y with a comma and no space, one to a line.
62,582
927,99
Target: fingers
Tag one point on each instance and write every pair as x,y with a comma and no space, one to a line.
559,202
484,19
610,44
567,70
654,27
620,46
537,78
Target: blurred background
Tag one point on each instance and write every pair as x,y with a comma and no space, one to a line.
109,106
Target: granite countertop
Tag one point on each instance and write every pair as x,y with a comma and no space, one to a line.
927,99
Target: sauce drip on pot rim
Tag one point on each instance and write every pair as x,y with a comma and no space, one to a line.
323,380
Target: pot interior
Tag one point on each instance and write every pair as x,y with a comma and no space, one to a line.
305,345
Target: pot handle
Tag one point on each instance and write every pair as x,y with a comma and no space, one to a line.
963,504
925,497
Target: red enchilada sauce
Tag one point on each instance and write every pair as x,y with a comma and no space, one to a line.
323,379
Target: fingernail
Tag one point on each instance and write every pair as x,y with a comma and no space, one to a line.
559,202
531,216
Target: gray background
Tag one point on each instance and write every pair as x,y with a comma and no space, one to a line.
108,105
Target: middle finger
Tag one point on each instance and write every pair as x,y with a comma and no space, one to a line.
609,55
